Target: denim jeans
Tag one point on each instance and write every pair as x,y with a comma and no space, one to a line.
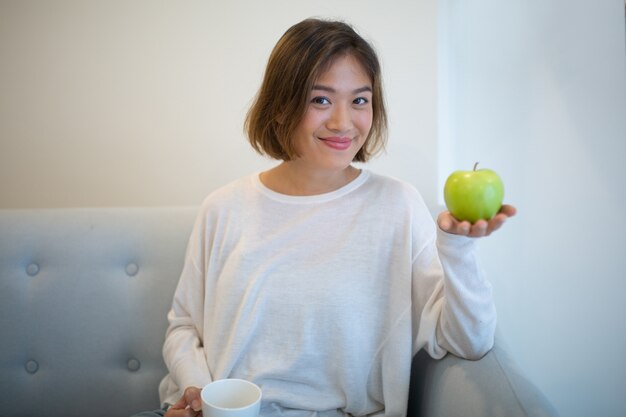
156,413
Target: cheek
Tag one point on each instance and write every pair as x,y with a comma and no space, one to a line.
364,122
310,122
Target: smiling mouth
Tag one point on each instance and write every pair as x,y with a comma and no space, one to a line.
339,143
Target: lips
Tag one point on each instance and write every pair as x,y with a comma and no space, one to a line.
338,143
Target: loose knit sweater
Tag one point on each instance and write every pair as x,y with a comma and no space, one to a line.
323,300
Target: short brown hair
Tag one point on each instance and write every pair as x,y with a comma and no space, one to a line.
301,55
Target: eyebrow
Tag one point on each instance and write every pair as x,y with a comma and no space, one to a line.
332,90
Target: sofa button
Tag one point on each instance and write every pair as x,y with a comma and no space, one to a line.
32,269
133,365
31,366
132,269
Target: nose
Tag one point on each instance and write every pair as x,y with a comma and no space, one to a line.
340,119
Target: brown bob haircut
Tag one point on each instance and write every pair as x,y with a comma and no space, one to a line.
301,55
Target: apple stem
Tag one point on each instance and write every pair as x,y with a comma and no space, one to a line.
475,166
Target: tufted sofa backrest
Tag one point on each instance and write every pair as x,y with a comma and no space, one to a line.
84,295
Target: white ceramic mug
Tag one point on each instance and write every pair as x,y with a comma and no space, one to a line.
231,398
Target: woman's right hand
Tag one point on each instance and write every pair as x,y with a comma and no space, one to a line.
189,405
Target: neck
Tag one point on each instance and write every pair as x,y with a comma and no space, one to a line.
293,179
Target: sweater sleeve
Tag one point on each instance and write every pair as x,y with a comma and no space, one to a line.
454,306
183,350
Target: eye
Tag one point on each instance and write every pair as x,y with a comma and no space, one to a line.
360,101
320,100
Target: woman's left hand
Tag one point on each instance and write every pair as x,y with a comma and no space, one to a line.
481,228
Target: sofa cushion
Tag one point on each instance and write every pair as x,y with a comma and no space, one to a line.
84,298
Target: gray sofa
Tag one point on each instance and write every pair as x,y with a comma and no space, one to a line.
83,300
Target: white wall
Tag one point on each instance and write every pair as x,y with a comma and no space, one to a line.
125,103
537,91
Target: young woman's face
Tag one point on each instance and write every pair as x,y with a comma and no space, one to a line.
338,118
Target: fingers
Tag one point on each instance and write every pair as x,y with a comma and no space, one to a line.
180,404
481,228
192,397
189,405
508,210
499,219
449,224
445,222
464,228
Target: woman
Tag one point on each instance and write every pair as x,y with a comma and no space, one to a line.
316,280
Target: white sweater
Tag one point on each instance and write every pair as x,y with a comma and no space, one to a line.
323,300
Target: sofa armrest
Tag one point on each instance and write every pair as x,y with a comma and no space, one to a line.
491,386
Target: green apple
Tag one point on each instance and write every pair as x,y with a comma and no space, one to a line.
473,195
